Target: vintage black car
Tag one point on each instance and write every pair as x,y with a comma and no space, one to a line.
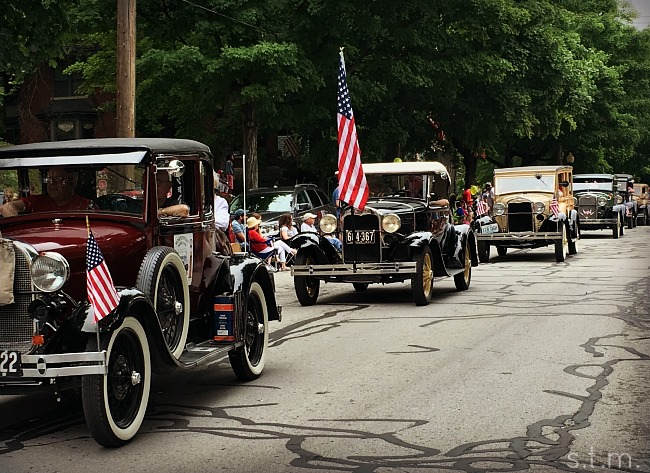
184,299
625,183
404,233
598,202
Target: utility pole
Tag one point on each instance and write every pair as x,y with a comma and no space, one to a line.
125,79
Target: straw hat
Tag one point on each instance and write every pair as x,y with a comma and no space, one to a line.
252,222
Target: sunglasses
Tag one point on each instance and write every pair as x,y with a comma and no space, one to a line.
57,180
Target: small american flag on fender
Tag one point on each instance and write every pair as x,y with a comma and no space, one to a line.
481,208
101,291
555,206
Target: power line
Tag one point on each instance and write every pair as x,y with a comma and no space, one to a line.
228,17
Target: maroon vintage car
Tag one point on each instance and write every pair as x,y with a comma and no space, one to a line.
184,298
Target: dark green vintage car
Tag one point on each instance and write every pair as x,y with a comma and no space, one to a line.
599,204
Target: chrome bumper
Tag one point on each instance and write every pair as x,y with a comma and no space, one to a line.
402,267
523,236
59,365
598,221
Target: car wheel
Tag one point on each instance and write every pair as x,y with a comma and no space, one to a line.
114,404
630,222
573,238
162,279
247,361
360,286
306,288
502,250
647,218
462,280
422,280
483,249
561,245
616,228
622,224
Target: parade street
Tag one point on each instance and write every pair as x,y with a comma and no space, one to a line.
539,366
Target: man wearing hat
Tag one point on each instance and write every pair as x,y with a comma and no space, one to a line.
308,223
238,228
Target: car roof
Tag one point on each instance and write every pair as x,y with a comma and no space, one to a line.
593,176
418,167
531,169
109,150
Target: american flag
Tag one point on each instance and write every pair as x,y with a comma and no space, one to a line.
101,291
352,181
481,207
555,206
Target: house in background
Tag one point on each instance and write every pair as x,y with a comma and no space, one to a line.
47,107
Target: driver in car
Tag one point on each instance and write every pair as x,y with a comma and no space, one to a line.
61,184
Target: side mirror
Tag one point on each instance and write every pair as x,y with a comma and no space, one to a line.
302,207
564,184
175,168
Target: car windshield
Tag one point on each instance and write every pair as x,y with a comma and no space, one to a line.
76,188
599,184
272,201
406,185
535,182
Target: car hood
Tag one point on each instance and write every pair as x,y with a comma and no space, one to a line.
386,205
524,197
122,245
607,194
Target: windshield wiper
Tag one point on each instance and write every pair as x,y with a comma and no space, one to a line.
539,177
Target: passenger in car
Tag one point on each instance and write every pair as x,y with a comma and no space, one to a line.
61,196
167,206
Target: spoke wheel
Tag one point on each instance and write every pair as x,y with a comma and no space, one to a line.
115,404
162,279
422,281
248,360
307,288
462,280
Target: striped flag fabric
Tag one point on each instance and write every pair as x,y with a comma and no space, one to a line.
101,291
555,206
481,207
353,188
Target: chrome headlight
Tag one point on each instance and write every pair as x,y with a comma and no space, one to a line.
539,207
619,199
499,209
327,224
50,271
602,201
391,223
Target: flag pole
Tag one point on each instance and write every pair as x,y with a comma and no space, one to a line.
96,324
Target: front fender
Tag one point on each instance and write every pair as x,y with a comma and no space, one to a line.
321,250
246,269
465,234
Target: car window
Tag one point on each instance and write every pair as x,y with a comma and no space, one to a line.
314,197
323,197
301,198
271,201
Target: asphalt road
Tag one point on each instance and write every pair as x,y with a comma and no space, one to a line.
540,366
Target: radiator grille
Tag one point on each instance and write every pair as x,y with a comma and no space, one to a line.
362,253
16,328
520,217
588,206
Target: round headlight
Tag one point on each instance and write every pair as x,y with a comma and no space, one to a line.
391,223
539,207
327,223
499,209
50,271
619,199
602,201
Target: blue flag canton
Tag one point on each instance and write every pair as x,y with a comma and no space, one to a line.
94,256
345,107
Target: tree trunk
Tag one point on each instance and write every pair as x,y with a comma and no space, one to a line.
470,162
249,134
508,159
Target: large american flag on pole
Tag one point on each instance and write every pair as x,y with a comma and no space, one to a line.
353,188
101,291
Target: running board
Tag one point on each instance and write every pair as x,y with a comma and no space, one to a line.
195,355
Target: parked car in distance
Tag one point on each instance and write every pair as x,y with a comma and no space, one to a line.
184,300
523,216
625,184
271,202
405,232
598,203
640,196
